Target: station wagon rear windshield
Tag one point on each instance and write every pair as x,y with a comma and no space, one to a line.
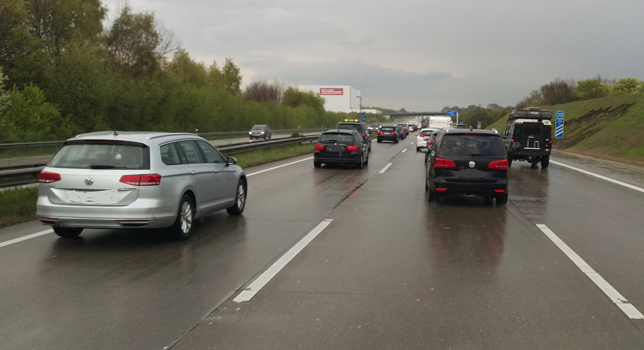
336,138
387,128
471,145
102,155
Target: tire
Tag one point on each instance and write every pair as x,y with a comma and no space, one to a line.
359,164
317,164
379,141
545,161
183,223
509,162
396,141
67,232
240,199
431,196
502,199
366,162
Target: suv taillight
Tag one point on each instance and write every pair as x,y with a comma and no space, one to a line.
353,148
499,165
141,180
379,132
444,163
318,147
47,178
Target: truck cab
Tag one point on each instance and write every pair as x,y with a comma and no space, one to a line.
528,136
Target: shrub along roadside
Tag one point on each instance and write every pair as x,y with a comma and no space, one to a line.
19,205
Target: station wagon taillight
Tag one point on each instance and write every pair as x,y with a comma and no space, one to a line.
353,148
499,165
379,132
318,147
141,180
46,177
444,163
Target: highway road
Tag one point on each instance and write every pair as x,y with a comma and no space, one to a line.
344,258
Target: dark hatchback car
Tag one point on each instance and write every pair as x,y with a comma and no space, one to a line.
360,127
470,162
260,132
388,133
338,146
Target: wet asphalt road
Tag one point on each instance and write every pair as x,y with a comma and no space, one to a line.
390,271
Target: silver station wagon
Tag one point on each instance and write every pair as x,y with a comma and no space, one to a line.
107,180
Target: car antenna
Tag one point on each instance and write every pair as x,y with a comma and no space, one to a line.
115,133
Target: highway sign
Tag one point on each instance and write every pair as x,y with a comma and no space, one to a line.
452,113
478,125
559,124
363,116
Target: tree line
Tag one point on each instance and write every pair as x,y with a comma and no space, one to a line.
63,72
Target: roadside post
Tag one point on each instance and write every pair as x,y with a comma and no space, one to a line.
559,127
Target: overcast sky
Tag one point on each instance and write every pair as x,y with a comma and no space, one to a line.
421,55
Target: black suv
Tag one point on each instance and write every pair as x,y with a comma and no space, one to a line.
355,124
528,136
341,147
466,161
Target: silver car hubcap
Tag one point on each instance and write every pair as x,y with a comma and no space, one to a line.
186,217
241,196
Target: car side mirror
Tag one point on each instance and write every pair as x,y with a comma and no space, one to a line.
231,160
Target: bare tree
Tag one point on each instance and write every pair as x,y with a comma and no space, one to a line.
261,91
558,91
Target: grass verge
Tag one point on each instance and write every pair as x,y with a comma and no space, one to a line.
19,205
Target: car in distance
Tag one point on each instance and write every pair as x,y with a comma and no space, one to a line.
388,133
341,146
405,129
135,180
260,132
360,127
374,127
471,162
423,137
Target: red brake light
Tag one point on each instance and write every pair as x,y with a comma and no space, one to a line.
141,180
318,147
46,177
393,133
379,132
499,165
353,148
444,163
430,143
362,134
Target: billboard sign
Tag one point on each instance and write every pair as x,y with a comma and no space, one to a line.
331,91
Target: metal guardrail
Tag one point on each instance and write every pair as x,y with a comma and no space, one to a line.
13,177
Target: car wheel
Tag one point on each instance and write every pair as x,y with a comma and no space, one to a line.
502,199
183,223
317,164
509,162
545,161
379,141
488,200
67,232
366,162
431,196
240,199
396,141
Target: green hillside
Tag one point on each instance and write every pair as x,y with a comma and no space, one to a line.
608,128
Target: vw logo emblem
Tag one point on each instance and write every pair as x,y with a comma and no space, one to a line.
472,164
89,181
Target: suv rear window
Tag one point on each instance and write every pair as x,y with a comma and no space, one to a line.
467,145
341,138
356,127
102,155
387,128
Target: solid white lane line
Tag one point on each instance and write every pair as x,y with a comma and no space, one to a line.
599,281
24,238
601,177
274,269
385,168
280,166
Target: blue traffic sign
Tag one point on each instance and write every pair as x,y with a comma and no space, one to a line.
363,116
452,113
478,125
559,124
